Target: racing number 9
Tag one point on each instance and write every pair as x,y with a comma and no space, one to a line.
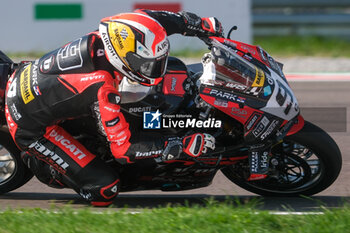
282,95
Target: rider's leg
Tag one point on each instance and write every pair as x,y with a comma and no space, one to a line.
57,159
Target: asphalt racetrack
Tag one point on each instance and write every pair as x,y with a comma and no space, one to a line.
326,96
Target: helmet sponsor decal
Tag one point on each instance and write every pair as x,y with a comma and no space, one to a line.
162,47
122,38
124,34
107,44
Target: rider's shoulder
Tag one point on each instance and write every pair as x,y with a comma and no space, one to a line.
74,57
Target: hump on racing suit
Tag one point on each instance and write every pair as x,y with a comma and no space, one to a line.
6,65
72,81
78,80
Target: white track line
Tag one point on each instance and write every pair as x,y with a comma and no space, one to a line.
294,213
318,77
139,212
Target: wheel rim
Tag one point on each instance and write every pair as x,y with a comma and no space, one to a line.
299,168
7,165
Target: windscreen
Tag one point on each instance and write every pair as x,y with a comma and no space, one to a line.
230,67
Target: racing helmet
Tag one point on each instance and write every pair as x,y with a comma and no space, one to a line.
137,46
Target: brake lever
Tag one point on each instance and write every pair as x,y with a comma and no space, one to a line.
234,28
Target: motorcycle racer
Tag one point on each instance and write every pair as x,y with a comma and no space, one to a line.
82,78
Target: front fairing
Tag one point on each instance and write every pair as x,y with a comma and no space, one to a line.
264,88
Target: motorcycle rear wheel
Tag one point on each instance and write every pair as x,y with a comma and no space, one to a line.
13,172
308,162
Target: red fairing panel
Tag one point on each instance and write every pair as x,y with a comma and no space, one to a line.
10,122
232,109
297,127
173,83
254,51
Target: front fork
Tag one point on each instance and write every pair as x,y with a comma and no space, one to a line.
259,159
259,155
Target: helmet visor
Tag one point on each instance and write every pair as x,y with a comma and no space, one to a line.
149,67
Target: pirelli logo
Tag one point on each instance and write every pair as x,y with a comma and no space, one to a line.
26,91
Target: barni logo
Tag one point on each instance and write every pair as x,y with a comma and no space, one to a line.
151,120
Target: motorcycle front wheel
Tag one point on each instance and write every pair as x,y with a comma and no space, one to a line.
13,172
305,163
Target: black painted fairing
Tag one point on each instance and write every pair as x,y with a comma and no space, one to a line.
145,174
156,99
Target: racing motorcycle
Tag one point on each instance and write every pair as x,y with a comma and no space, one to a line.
238,94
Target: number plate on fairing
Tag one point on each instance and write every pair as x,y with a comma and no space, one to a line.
282,102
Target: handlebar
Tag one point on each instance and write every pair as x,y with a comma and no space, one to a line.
207,40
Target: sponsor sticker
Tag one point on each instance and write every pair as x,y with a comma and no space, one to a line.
261,126
239,112
90,78
270,129
252,121
140,109
259,78
124,34
224,95
80,155
267,91
15,113
50,156
47,64
26,91
221,103
147,154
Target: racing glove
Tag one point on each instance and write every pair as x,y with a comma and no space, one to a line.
201,27
193,145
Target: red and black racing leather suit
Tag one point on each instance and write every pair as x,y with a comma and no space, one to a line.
74,81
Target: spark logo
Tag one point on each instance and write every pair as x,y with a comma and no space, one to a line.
151,120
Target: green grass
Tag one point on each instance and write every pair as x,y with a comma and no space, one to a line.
189,53
305,46
283,46
288,46
25,55
212,218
